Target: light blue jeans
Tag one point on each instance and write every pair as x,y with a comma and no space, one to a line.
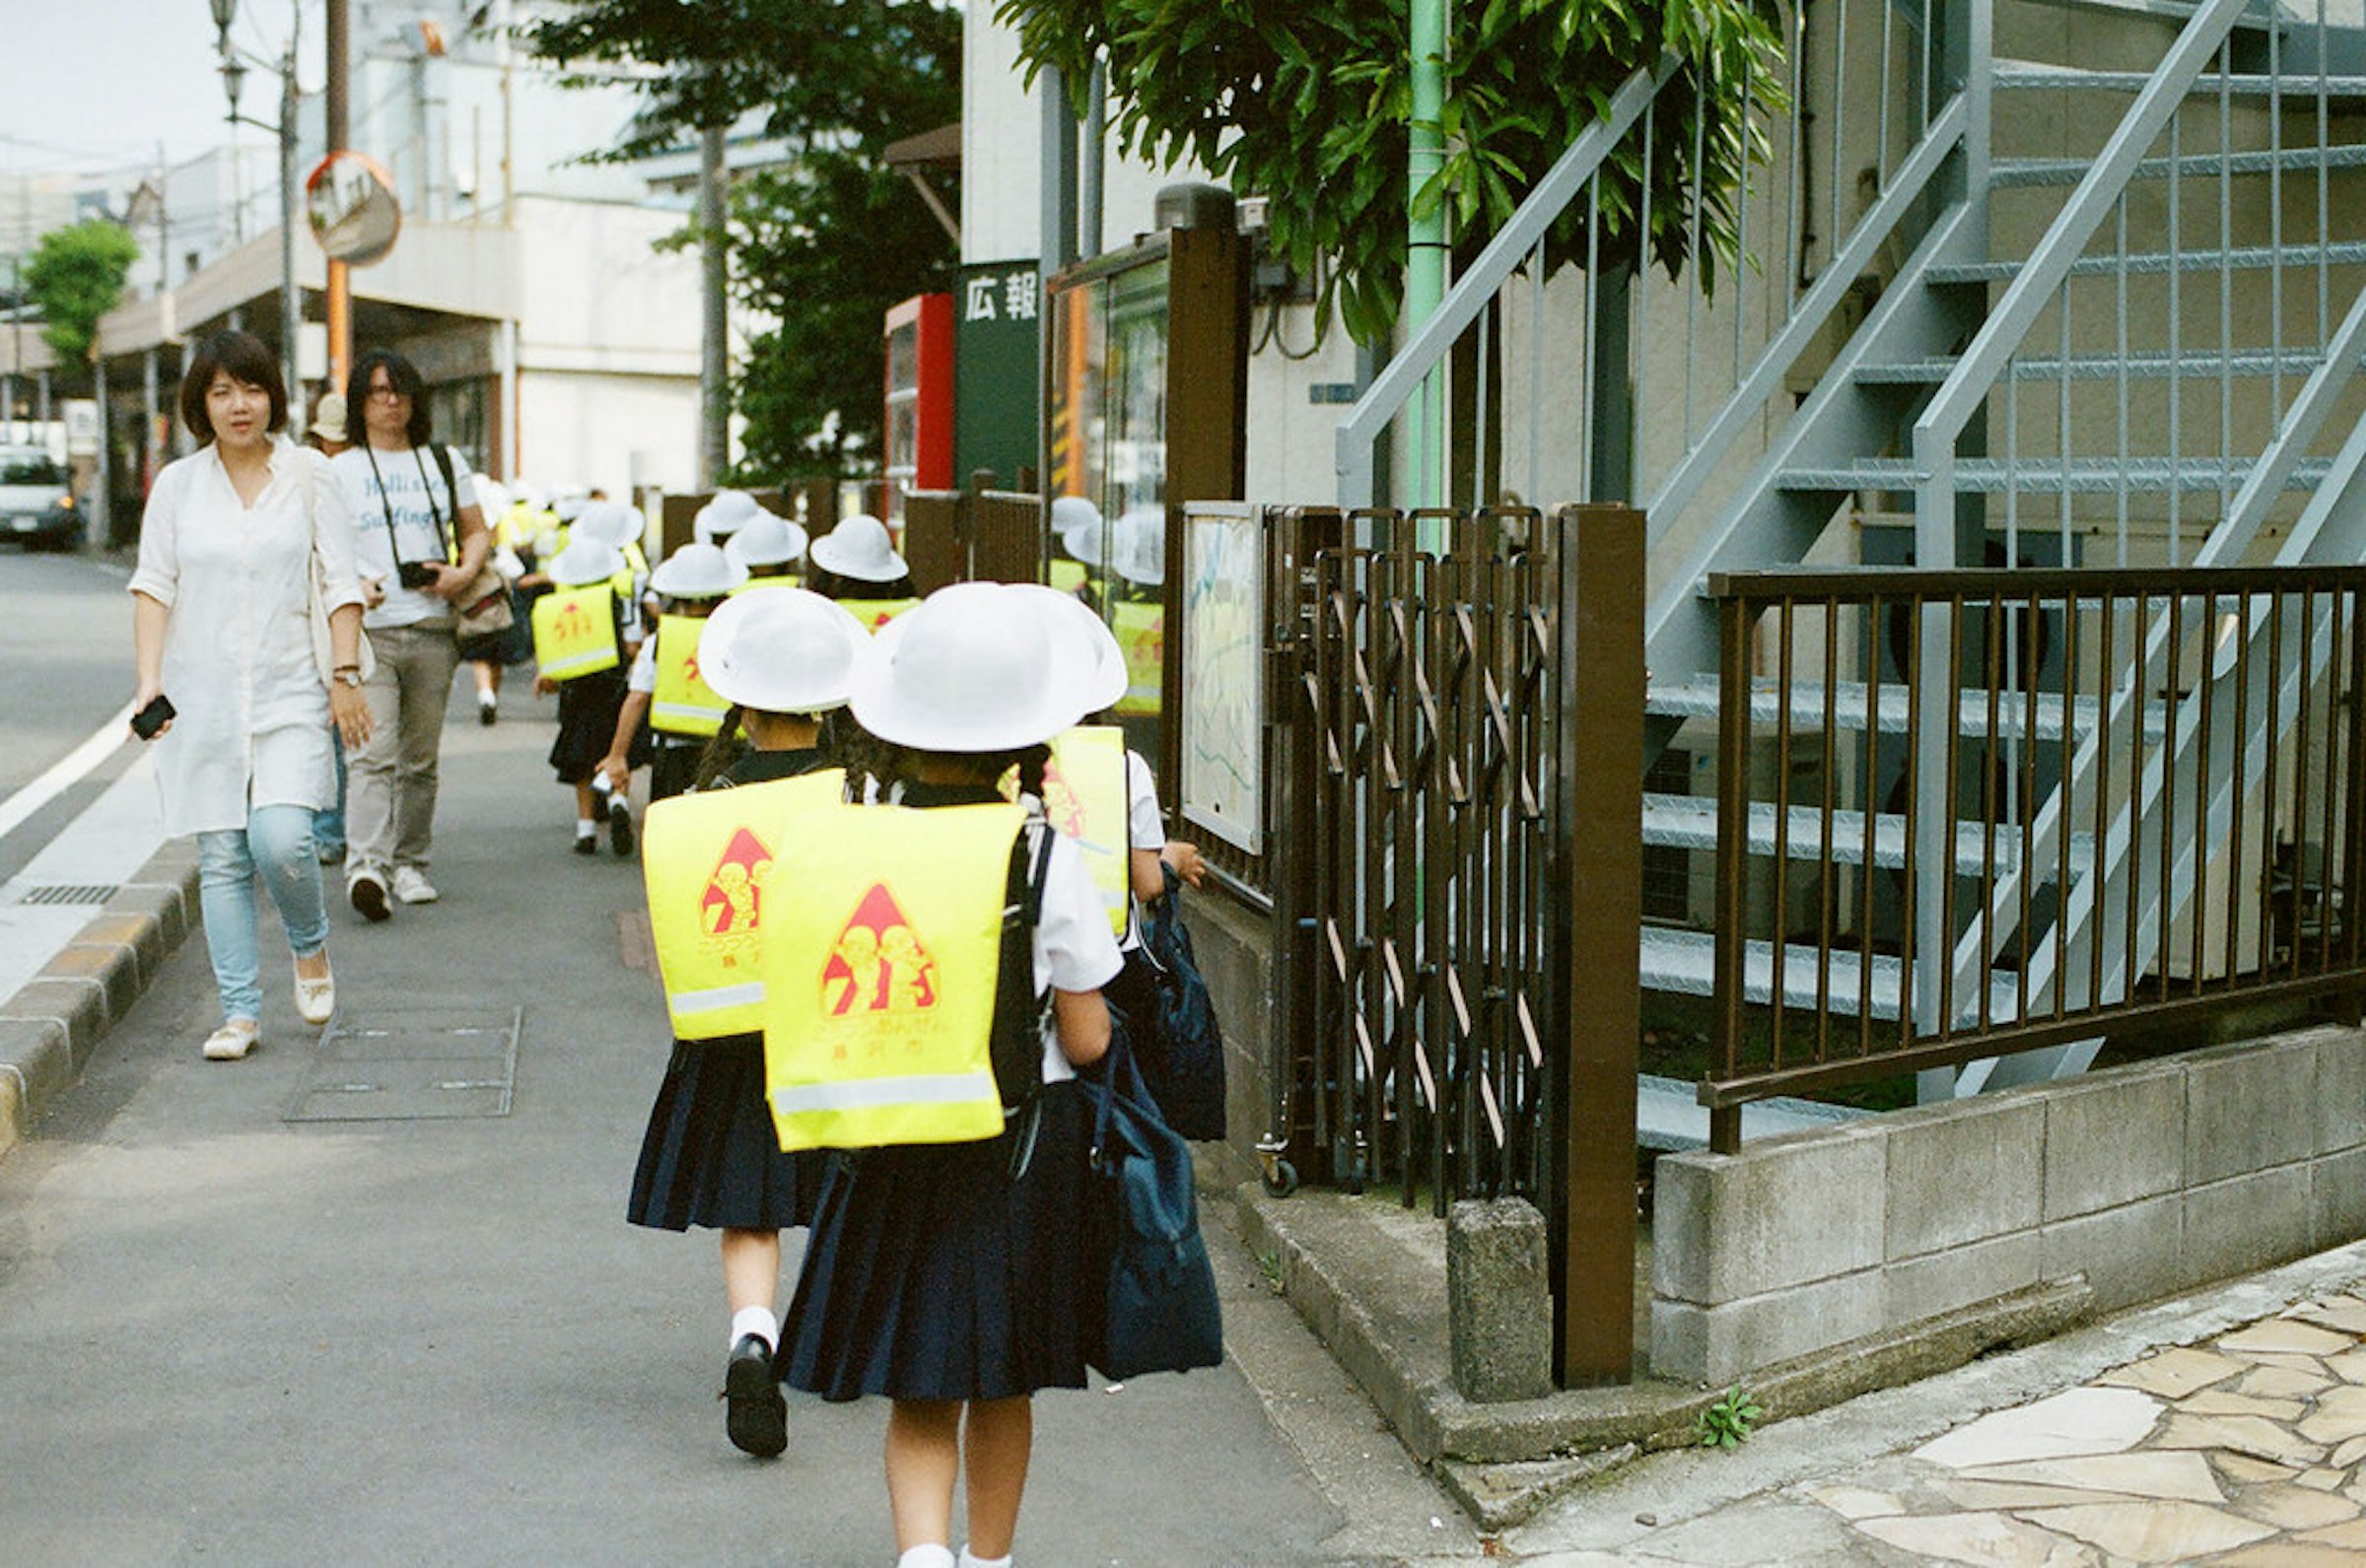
277,842
328,823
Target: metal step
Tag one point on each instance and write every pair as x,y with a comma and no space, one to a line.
2342,253
2087,476
1684,962
1669,1116
2295,363
2025,173
2030,76
1689,822
1697,698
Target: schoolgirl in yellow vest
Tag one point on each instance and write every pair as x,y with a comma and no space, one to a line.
690,584
855,563
768,545
582,637
709,1158
947,1277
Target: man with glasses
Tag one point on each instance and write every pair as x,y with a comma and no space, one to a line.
419,541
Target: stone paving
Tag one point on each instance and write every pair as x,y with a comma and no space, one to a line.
2245,1450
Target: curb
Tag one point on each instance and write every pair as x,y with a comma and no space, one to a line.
49,1027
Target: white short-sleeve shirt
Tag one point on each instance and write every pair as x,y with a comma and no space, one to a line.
395,498
1073,949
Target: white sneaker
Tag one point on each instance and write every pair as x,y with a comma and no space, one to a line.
412,886
231,1041
316,999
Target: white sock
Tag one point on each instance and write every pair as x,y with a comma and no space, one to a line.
927,1555
970,1559
757,1321
586,828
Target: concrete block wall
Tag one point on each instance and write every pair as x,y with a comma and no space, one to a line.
2146,1180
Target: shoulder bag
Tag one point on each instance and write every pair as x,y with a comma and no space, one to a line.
1159,1309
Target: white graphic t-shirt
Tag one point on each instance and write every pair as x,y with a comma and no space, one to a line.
399,486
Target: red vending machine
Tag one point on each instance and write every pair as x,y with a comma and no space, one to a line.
919,400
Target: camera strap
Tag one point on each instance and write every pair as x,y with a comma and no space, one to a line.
385,502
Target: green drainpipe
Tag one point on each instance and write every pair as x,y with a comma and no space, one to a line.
1425,247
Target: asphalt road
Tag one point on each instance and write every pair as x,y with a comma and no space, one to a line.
65,668
229,1336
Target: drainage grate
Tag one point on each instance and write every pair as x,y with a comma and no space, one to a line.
423,1064
62,893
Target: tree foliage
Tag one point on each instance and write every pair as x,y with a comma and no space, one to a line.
1309,105
75,277
825,242
824,246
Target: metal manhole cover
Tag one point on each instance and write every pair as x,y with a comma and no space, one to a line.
411,1065
62,893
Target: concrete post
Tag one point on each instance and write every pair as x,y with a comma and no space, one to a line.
1498,1303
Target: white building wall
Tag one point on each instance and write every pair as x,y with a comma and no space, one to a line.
609,431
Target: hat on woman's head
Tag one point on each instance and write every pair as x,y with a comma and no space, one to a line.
585,561
970,668
611,522
725,514
1082,642
781,651
697,571
766,540
858,548
328,417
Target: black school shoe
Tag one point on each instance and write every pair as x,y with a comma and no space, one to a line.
756,1412
621,824
587,843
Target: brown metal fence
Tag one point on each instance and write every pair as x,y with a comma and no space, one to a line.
1457,761
972,535
2007,811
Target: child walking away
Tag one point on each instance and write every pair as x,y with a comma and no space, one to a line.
955,947
855,563
666,687
768,546
581,633
710,1157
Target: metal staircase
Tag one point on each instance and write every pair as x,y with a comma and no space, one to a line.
2122,327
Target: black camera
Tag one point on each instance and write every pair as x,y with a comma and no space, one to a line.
417,576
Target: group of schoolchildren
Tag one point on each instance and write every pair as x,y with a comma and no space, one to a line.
890,866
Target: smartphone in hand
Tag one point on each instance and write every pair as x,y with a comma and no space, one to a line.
153,717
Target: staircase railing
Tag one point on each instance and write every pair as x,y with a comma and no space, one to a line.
1858,124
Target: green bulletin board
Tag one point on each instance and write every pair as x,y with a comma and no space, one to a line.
997,310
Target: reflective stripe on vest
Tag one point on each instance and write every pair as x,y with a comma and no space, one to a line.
880,975
575,631
1085,795
702,860
875,613
683,703
1142,631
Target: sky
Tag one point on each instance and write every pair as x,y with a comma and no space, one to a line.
99,84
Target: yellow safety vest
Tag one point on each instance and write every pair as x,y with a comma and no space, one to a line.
1085,795
636,571
880,975
1141,629
875,613
683,703
575,631
787,579
1066,575
702,860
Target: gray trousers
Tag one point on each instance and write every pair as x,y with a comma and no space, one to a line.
390,795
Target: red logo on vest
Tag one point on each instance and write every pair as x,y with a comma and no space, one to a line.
728,908
878,965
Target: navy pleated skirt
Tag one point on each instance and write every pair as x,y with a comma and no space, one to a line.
588,709
711,1156
932,1273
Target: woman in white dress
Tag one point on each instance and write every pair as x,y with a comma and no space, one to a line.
234,542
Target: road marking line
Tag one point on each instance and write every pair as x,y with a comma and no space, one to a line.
65,774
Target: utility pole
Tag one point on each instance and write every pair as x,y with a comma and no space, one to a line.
340,277
713,361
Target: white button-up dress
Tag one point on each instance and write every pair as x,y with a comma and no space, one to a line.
252,725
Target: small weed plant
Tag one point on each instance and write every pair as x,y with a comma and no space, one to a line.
1727,1420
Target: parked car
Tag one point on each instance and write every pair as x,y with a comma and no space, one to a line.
37,500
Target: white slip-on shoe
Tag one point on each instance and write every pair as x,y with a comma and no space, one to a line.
412,886
316,999
231,1041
